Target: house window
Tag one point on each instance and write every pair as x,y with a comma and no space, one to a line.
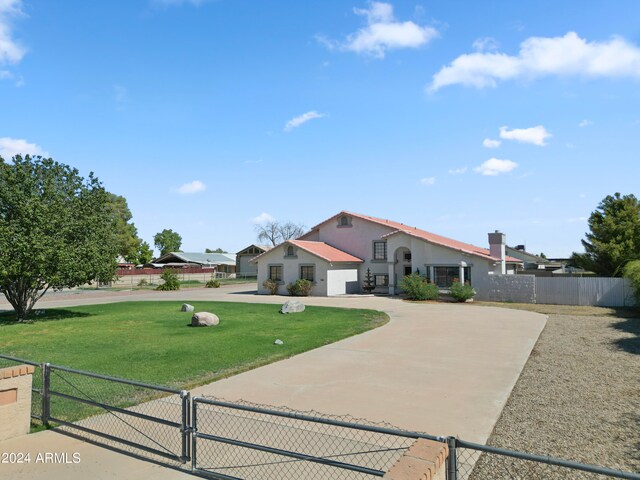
379,250
307,272
275,273
344,221
444,276
290,252
381,280
407,256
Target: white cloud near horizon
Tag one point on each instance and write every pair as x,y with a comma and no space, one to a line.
495,166
382,33
491,143
428,181
264,217
564,56
533,135
10,147
485,44
585,123
458,171
301,119
191,187
11,52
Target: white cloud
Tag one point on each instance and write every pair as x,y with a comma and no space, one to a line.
458,171
585,123
428,181
565,56
490,143
495,166
264,217
485,44
534,135
191,187
382,33
300,119
10,147
11,52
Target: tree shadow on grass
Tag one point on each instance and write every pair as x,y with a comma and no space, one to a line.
8,317
629,344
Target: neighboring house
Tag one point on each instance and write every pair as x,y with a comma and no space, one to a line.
336,254
244,266
218,262
540,266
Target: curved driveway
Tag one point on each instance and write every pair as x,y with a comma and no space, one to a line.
445,369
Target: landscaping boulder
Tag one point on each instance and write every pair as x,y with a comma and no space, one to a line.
204,319
187,308
292,306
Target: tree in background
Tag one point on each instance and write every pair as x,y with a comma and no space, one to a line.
277,232
57,230
144,252
167,241
614,239
217,250
127,233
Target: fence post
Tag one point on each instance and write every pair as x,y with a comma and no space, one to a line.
46,397
186,425
194,434
452,459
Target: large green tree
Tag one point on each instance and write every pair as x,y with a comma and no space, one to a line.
56,230
167,241
614,237
126,231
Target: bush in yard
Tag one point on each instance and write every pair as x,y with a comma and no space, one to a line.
461,291
213,283
143,283
271,285
170,279
302,288
632,272
416,287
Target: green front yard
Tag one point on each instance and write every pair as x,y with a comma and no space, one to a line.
152,342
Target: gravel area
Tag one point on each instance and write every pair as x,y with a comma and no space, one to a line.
578,397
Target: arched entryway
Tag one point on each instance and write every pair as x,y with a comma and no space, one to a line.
402,266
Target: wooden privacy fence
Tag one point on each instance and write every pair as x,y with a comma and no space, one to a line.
598,291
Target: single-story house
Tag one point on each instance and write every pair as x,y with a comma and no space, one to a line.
217,262
336,254
244,267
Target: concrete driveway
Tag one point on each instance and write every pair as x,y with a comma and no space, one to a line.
445,369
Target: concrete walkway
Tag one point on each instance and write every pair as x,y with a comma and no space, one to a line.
446,369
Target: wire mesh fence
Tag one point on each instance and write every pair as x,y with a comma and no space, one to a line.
245,440
501,464
140,419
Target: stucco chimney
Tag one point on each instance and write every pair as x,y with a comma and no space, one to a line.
497,241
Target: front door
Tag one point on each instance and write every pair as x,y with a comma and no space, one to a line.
407,270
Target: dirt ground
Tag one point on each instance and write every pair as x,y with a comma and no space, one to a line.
578,397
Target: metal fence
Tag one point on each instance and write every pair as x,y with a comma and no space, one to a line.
217,439
244,440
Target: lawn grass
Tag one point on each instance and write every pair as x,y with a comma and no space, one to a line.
152,342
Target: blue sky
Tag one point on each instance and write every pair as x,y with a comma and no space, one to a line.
458,117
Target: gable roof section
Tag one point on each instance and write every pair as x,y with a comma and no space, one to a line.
319,249
325,251
422,234
264,248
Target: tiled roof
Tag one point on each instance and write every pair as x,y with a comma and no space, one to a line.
324,251
428,236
